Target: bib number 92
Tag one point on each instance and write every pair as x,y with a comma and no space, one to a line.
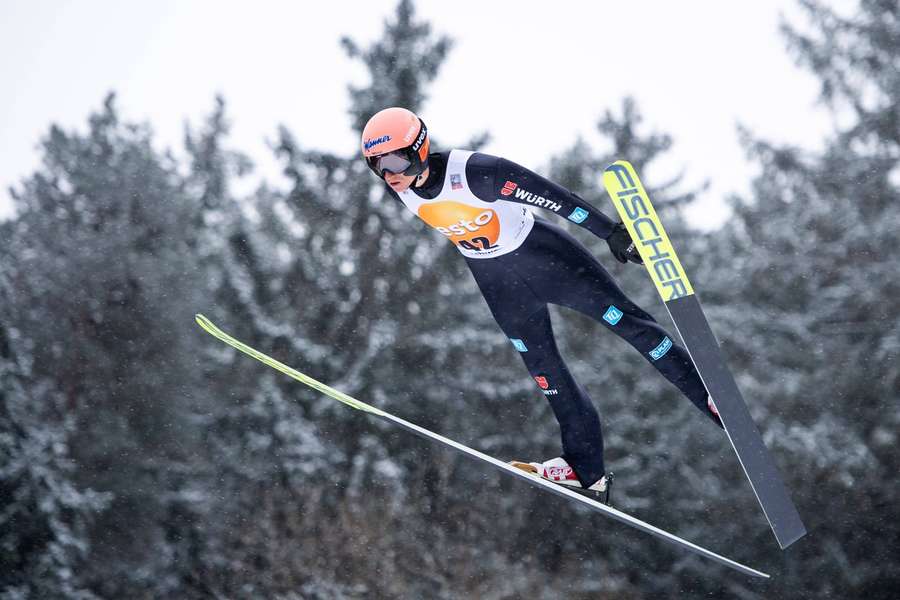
478,244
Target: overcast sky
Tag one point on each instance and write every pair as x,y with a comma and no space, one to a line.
535,74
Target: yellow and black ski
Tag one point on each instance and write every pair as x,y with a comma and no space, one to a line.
637,213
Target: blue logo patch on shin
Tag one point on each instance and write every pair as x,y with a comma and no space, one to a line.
660,351
578,215
612,315
519,344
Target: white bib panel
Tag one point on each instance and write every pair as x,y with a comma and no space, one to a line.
477,228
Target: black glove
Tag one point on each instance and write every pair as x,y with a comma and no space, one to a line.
621,245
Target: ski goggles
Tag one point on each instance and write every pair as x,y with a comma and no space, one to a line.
397,162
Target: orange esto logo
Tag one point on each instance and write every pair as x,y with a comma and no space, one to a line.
461,222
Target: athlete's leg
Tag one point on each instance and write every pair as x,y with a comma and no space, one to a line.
524,318
579,423
584,285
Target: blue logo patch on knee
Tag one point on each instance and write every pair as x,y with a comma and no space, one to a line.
519,344
660,351
613,315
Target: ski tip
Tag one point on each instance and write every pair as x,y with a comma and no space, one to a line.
205,323
620,163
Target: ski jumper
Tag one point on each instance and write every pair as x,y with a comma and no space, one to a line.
522,264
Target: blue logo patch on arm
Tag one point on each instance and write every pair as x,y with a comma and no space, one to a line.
519,345
579,215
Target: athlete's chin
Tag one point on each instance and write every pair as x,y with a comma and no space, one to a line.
399,186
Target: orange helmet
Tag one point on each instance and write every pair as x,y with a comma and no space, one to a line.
395,140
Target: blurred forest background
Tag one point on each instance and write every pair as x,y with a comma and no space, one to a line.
140,458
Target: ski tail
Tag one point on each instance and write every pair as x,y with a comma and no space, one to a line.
546,485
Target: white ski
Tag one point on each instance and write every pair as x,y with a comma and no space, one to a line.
544,484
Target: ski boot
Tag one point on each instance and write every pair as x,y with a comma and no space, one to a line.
559,472
712,406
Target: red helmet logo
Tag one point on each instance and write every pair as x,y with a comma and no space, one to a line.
508,188
542,382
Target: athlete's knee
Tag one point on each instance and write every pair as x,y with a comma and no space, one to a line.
537,354
551,367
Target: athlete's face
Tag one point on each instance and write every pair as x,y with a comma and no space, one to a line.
398,181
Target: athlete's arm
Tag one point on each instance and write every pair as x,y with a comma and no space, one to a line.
492,178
